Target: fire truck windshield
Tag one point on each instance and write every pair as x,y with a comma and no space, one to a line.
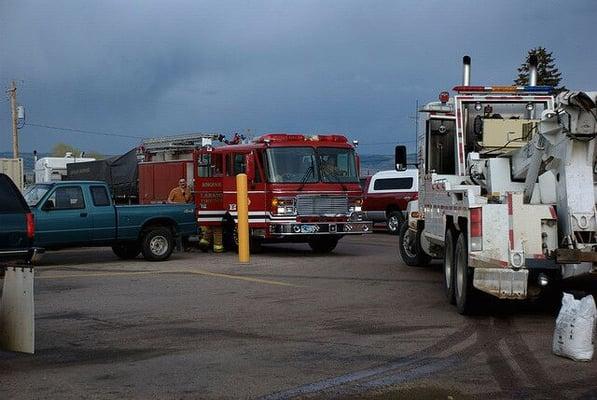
308,165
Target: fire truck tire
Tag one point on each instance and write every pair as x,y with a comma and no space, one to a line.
463,279
126,251
157,244
323,245
255,246
409,245
394,222
448,266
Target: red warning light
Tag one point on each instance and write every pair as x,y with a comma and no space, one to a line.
444,97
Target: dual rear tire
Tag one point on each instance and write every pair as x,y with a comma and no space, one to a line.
458,276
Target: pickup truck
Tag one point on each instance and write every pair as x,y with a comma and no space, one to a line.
17,225
81,213
386,195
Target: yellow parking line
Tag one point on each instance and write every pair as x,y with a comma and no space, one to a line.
192,272
96,274
237,277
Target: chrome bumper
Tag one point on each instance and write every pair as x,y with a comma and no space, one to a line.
319,228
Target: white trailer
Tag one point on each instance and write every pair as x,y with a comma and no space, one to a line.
506,190
49,169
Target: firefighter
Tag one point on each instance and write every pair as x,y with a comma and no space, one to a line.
209,235
181,193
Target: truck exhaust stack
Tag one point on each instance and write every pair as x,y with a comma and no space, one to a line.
466,71
533,70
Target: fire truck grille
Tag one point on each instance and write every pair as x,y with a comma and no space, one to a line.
321,205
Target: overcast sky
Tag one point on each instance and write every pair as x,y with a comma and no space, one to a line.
154,68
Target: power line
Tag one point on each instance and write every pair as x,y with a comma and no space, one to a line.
84,131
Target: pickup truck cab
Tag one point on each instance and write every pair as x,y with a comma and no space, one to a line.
81,213
386,195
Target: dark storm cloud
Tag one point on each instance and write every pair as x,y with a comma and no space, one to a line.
153,68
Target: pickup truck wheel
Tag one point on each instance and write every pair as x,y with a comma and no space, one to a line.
463,288
126,251
409,244
394,221
323,245
449,266
157,244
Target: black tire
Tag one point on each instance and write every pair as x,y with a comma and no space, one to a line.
157,244
394,221
448,266
254,243
410,247
126,251
323,245
463,277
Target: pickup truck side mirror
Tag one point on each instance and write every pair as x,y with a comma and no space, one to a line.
400,158
48,205
250,169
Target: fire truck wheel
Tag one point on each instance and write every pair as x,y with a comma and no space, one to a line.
394,221
255,246
463,288
409,244
323,245
126,251
449,266
156,244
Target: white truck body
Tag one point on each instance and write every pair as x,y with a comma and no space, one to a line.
509,171
50,169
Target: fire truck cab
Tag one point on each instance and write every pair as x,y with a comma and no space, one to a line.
301,188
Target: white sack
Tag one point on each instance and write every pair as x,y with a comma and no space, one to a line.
575,328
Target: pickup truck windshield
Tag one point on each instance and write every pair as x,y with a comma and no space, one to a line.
308,165
35,193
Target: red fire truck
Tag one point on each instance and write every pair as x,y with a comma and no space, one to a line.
301,188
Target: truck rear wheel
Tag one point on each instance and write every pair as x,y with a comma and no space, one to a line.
157,244
394,222
449,266
409,243
126,251
323,245
463,288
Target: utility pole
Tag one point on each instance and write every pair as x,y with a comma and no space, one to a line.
15,128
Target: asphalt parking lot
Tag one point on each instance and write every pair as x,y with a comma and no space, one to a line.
353,324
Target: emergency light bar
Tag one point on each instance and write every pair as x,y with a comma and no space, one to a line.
284,137
503,89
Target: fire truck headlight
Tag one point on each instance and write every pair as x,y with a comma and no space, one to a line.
283,206
356,206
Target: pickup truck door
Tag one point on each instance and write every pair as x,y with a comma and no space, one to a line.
63,218
103,215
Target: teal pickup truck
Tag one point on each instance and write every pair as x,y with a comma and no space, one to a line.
81,213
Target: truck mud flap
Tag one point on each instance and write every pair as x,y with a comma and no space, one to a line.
501,282
17,327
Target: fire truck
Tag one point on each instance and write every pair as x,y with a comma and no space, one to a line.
506,189
301,188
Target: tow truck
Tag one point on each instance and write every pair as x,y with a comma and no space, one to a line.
506,190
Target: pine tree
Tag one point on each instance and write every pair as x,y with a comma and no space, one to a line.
547,72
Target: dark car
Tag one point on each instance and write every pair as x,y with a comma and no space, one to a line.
17,224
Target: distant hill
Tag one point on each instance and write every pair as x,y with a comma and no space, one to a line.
371,163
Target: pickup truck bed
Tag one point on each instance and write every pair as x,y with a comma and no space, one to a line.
81,213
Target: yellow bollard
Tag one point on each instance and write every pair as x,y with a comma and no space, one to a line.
242,207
